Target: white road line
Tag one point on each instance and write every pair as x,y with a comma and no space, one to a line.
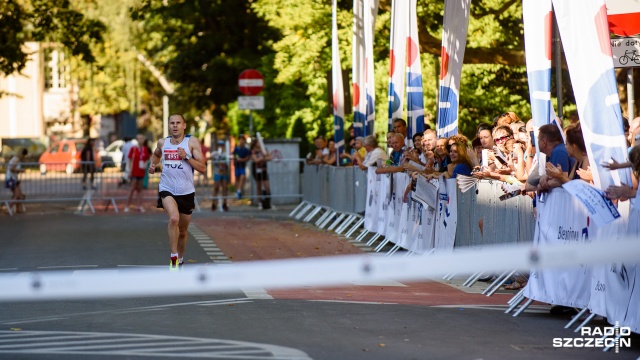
67,267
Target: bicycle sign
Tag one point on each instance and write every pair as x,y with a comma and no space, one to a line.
629,56
626,52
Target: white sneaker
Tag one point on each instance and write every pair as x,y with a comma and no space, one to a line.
260,205
141,209
127,209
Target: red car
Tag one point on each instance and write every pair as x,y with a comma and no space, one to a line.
63,155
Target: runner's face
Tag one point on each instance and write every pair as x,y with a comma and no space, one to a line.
177,126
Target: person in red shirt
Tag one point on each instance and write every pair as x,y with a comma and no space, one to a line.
138,157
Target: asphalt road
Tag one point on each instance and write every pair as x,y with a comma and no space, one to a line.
238,325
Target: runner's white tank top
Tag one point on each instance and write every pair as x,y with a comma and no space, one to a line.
177,175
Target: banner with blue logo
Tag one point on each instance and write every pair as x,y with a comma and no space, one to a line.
415,97
358,69
454,41
338,90
585,37
538,18
370,12
397,56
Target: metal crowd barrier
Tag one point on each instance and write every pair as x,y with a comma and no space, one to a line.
55,185
335,198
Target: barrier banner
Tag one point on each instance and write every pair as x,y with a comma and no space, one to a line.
537,18
585,35
371,209
454,41
397,55
406,226
338,90
616,292
383,204
601,210
370,13
561,219
415,98
358,69
425,218
447,215
394,211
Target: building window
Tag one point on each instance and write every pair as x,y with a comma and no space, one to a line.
56,69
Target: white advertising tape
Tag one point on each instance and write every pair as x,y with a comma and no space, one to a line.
295,273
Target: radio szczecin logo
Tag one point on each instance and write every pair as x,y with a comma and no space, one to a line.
607,337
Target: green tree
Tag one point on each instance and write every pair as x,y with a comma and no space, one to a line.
43,20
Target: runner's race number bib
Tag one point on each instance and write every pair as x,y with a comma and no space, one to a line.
171,157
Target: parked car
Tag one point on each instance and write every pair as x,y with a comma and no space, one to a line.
112,155
63,155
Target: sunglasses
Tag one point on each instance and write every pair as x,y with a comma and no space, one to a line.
502,139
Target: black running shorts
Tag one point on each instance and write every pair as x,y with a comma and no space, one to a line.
186,203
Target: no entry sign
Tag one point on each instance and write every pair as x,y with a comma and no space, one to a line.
250,82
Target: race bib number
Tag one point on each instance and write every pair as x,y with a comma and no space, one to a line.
142,164
171,157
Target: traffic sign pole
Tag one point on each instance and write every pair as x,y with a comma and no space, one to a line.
250,83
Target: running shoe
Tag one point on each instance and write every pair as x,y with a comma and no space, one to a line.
173,264
127,209
239,194
225,207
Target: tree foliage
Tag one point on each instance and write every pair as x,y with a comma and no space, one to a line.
43,20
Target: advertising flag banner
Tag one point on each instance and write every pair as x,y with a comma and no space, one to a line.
338,90
537,18
358,69
585,37
370,12
415,97
454,41
397,56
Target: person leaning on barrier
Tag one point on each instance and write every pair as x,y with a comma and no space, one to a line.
626,191
357,148
551,144
577,150
331,157
397,156
415,153
400,126
321,151
12,176
374,153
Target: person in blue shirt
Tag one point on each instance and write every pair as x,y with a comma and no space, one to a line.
460,159
240,157
550,143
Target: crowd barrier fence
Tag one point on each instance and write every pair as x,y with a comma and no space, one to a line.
107,187
482,219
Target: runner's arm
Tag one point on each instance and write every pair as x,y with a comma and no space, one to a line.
156,156
197,160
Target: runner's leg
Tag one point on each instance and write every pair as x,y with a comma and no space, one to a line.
183,234
171,207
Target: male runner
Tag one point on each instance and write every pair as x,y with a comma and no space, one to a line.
180,155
